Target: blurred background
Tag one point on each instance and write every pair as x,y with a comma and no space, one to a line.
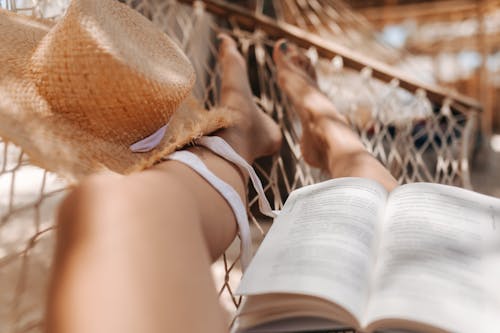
458,41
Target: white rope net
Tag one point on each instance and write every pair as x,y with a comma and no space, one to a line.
416,139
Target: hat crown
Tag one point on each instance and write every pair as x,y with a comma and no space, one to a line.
110,71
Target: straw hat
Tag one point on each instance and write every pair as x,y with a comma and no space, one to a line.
76,95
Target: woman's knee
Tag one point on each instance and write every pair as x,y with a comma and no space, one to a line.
95,196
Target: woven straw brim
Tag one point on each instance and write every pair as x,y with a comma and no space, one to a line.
54,143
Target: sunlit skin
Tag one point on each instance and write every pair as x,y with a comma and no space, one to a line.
134,252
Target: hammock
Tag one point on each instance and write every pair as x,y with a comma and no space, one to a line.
420,132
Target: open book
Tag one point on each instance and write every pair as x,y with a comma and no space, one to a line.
346,254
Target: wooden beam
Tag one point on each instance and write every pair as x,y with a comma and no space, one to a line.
329,49
487,115
442,10
453,45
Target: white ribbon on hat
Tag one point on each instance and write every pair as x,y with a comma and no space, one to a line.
149,143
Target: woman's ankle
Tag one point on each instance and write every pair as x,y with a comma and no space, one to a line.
235,139
341,140
208,156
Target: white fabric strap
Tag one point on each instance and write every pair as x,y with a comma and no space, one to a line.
223,149
229,194
150,142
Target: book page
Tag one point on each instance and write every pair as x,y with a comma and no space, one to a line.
439,259
321,244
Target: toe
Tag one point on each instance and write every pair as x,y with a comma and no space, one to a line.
280,52
288,56
303,66
284,51
230,58
227,45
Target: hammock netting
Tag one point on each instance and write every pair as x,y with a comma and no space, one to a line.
416,138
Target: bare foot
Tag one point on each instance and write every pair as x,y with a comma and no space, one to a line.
254,134
328,142
297,78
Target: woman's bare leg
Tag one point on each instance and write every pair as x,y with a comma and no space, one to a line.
327,142
134,252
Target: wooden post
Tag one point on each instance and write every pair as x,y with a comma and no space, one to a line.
483,82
